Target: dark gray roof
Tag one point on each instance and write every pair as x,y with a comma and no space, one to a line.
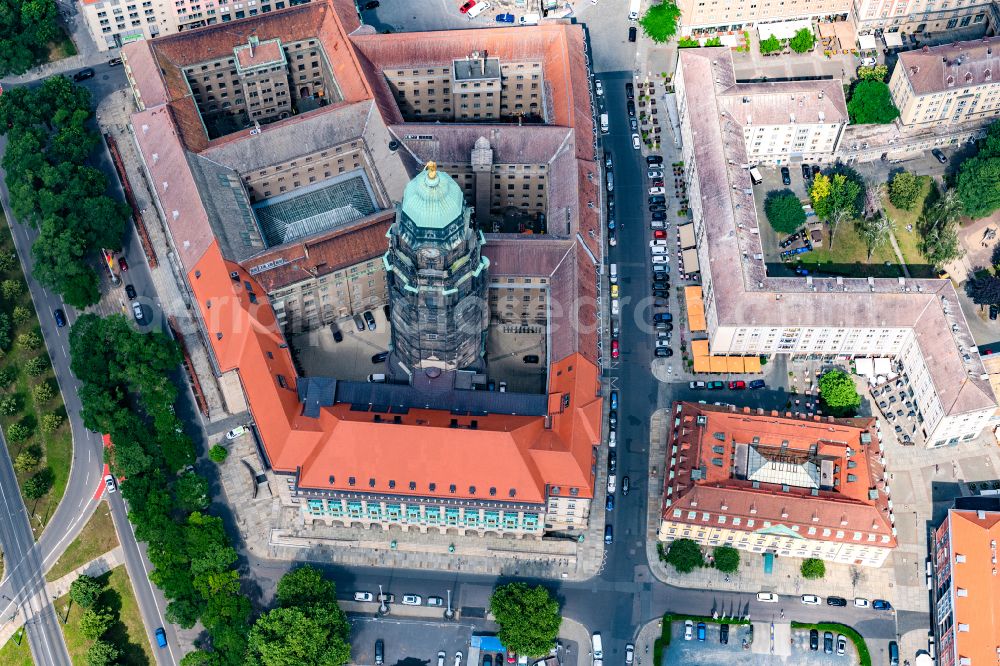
228,208
316,392
400,397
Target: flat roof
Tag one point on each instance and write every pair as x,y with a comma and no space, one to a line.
471,69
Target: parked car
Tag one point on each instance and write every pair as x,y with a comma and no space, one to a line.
696,385
827,642
530,358
657,199
659,233
636,141
657,190
941,157
813,640
137,312
663,316
364,596
467,6
657,208
629,654
487,659
599,88
836,601
786,176
114,62
688,630
653,174
632,33
380,357
609,535
841,644
663,352
337,335
372,4
123,264
737,385
654,159
629,91
860,602
806,173
660,216
615,351
613,418
411,600
630,107
84,74
130,291
60,318
810,600
238,431
757,384
509,18
724,634
769,597
609,503
359,322
701,632
370,320
614,400
716,385
881,605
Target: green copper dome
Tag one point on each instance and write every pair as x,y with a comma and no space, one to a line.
433,199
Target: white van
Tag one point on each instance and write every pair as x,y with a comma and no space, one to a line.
613,273
596,645
477,9
377,378
633,10
755,176
530,19
604,123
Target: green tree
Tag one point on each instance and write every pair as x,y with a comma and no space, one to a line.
42,393
875,231
813,569
191,491
8,374
8,260
660,21
5,332
200,658
37,365
28,459
11,289
983,289
871,102
94,622
938,229
803,41
979,185
22,315
51,423
29,340
85,591
684,555
904,189
838,393
38,484
312,634
305,585
836,198
18,432
727,559
784,211
218,454
529,618
10,405
873,73
103,653
770,45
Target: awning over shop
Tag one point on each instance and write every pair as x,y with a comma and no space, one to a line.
867,42
783,29
730,40
718,364
893,39
690,260
751,364
883,366
699,347
695,308
733,365
864,367
686,235
846,34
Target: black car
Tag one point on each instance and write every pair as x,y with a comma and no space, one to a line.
370,320
786,176
629,91
664,352
663,316
530,358
630,107
130,291
657,198
114,62
994,311
813,640
613,418
609,163
664,326
387,312
83,75
654,159
939,155
661,284
659,274
836,601
60,318
372,4
611,201
659,215
380,357
631,34
806,172
337,335
827,642
815,170
657,208
661,293
615,329
625,484
359,322
487,660
724,634
379,652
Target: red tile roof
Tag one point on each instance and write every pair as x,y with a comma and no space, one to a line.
975,536
701,473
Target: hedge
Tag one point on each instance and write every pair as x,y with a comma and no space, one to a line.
859,643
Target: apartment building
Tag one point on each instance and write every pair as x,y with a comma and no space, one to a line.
285,225
920,17
918,322
788,121
948,85
966,608
718,15
769,483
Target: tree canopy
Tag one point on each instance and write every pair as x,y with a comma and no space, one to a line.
803,41
784,211
875,231
26,29
727,559
838,393
938,228
529,618
979,177
873,73
813,568
836,197
770,45
310,635
983,289
85,590
660,21
904,189
684,555
304,585
871,102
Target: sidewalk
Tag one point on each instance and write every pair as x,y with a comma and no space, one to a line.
58,588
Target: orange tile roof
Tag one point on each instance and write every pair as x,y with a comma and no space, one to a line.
846,507
971,536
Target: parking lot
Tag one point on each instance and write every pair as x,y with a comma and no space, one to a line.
350,359
408,642
712,653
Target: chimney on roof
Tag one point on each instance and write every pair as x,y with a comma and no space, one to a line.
484,63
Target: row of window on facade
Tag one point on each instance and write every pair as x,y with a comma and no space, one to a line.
423,515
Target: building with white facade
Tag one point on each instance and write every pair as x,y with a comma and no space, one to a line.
949,84
918,322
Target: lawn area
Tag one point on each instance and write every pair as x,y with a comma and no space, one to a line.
908,240
13,654
848,257
98,537
128,633
56,448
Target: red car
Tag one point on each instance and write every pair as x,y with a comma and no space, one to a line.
737,386
659,234
657,183
467,6
122,264
614,349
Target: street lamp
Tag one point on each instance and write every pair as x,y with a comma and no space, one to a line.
382,608
449,614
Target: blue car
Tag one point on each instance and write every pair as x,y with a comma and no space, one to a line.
60,318
882,605
701,632
161,638
505,18
609,505
757,384
614,400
